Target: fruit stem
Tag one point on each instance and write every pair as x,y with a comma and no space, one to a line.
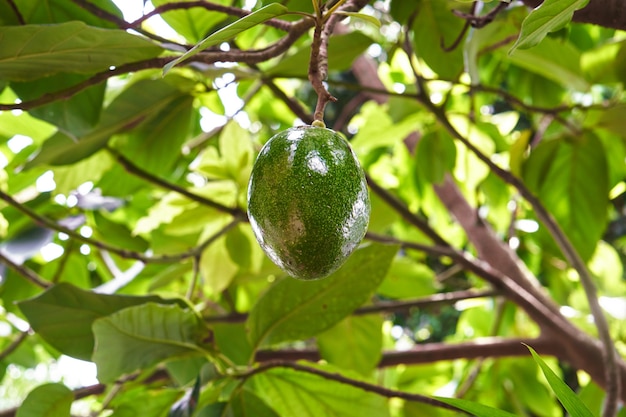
318,65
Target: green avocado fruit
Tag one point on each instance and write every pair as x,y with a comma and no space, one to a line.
308,202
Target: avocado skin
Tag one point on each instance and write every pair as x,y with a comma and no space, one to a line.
308,202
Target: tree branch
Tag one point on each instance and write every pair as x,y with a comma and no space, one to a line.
135,170
25,272
485,347
124,253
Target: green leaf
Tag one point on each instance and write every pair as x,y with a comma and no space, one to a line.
550,16
354,343
29,52
48,400
370,19
555,60
342,50
574,406
570,176
476,409
407,278
227,33
140,103
434,28
142,336
302,394
436,156
63,315
218,270
247,404
292,309
140,401
192,23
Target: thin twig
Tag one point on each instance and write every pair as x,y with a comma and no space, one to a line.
18,15
333,376
21,337
134,169
26,272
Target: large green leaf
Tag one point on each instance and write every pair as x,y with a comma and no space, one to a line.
354,343
295,393
139,401
551,15
570,177
63,315
141,336
574,405
248,404
435,28
556,60
59,11
227,33
48,400
342,50
193,23
29,52
139,105
75,115
292,309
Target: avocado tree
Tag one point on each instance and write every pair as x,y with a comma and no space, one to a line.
490,281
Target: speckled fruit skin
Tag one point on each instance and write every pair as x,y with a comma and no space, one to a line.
308,202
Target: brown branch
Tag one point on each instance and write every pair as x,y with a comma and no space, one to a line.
482,21
318,68
124,253
95,79
485,347
566,247
18,15
337,377
25,272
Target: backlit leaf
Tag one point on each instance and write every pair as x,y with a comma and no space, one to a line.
551,15
48,400
570,176
354,343
574,406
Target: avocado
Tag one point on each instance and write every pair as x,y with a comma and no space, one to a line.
308,201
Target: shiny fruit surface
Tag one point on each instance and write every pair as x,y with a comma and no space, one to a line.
308,202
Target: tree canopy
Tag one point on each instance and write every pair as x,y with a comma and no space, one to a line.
491,279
